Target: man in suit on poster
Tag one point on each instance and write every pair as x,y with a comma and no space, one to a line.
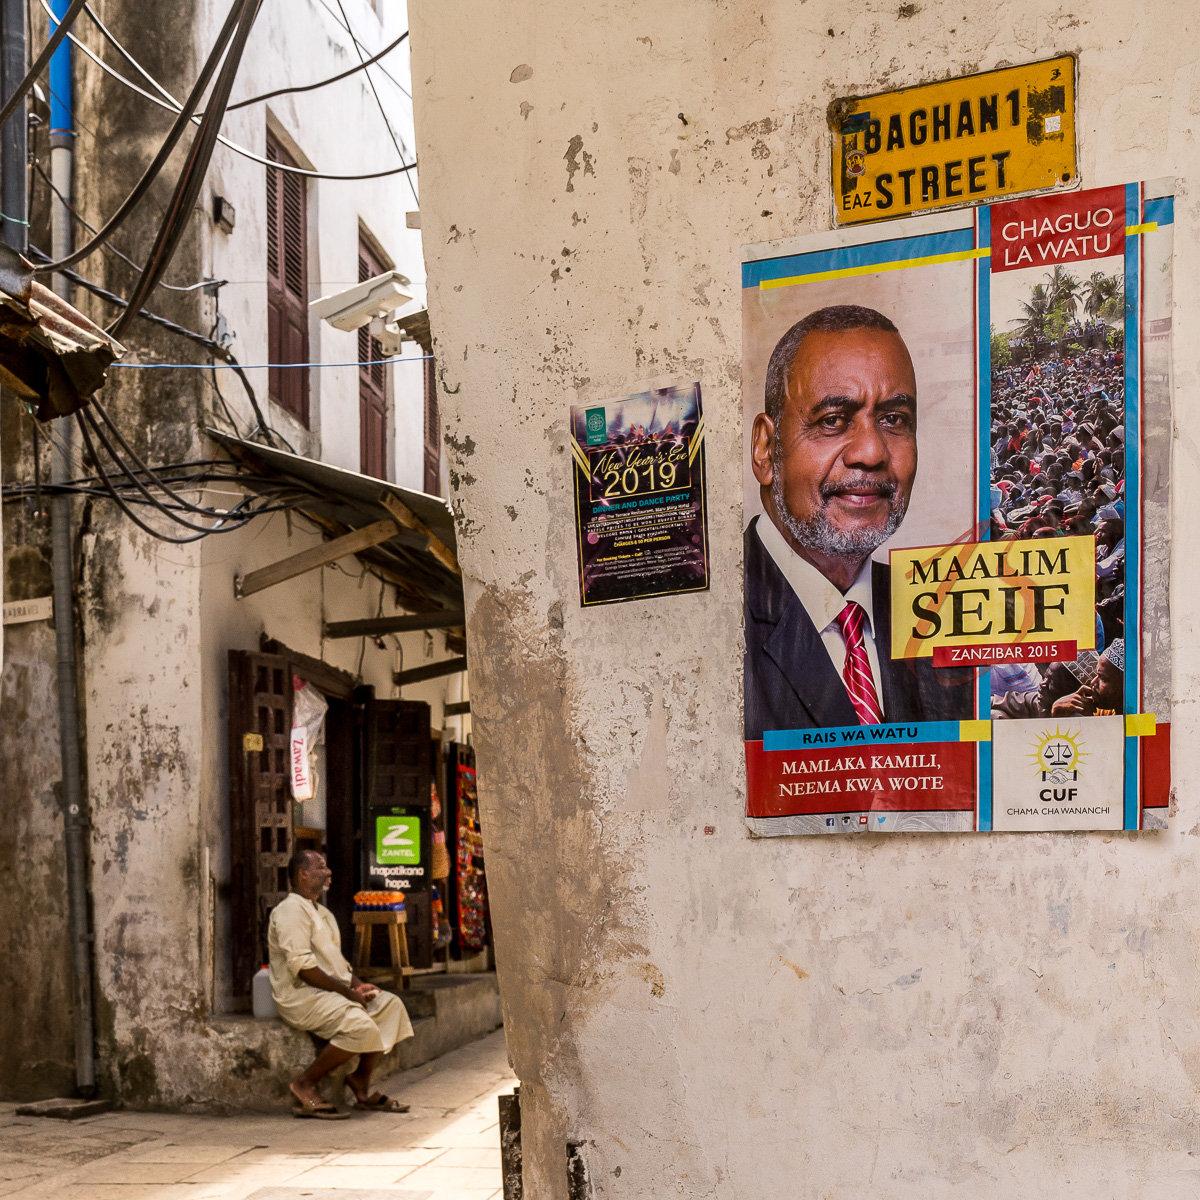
835,456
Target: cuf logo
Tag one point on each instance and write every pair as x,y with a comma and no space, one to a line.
1058,756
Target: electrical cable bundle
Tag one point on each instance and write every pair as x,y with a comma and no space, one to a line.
164,152
134,486
191,177
233,518
214,347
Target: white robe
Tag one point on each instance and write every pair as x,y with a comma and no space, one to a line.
303,935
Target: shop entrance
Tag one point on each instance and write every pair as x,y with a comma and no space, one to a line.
372,765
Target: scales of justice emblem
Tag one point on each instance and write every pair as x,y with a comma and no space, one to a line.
1058,756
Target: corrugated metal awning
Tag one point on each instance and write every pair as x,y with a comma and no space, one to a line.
51,355
342,501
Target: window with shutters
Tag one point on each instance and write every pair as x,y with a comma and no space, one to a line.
372,390
287,283
433,431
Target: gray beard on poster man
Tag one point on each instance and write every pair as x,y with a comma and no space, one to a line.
790,681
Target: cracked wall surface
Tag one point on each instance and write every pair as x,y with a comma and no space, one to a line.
713,1015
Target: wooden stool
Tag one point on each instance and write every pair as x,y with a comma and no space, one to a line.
364,927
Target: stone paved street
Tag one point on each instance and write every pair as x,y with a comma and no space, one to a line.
447,1147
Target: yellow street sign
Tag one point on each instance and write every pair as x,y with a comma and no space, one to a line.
963,141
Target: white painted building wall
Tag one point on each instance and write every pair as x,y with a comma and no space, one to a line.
916,1017
337,130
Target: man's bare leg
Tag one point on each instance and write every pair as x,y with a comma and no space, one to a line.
304,1087
359,1080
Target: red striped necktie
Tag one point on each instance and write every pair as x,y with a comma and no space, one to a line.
856,674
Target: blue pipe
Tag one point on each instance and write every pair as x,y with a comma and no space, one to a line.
62,104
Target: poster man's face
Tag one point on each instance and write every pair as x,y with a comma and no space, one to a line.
838,472
1110,685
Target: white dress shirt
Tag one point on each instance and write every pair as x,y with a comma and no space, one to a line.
823,601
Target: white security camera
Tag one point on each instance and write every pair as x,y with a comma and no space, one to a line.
370,300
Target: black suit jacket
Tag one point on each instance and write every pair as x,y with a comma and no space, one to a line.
791,682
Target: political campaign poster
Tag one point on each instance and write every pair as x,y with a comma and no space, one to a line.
956,520
641,516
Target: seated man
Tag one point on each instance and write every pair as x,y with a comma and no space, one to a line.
315,990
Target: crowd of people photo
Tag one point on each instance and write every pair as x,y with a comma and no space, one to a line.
1058,469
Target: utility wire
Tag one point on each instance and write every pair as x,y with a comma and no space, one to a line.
113,41
237,514
191,177
145,470
390,77
165,151
214,347
108,248
174,107
378,103
96,290
39,63
166,242
151,173
312,87
171,513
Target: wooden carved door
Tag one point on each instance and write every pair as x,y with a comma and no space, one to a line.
260,802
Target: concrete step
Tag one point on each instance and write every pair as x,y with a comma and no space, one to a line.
451,1011
250,1062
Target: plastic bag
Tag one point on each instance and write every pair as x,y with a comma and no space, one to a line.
308,728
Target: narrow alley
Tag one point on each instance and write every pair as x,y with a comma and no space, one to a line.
446,1147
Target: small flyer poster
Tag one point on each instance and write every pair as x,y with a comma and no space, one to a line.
641,516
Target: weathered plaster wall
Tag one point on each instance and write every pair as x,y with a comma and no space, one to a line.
915,1017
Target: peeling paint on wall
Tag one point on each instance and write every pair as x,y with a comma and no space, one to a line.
904,1020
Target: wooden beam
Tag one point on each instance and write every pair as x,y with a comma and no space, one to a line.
448,666
412,595
315,556
408,623
410,520
461,709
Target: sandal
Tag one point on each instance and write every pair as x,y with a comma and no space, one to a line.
319,1111
381,1103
